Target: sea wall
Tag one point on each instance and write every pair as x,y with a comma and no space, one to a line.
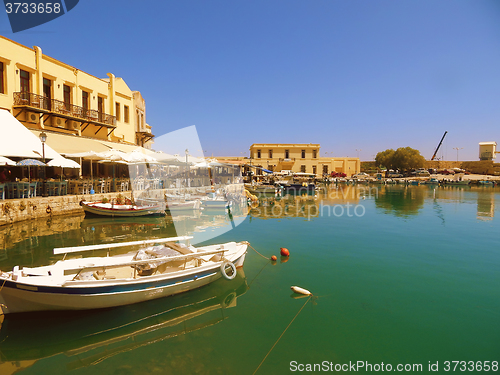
14,210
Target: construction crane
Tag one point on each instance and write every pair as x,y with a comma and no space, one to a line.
439,145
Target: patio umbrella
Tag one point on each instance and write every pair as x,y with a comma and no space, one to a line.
63,163
6,161
89,155
29,163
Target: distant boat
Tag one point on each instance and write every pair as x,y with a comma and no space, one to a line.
216,201
486,182
117,210
163,269
263,189
456,182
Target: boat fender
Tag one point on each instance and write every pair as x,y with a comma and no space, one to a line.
299,290
48,210
223,269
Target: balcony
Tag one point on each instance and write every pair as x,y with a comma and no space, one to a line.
41,104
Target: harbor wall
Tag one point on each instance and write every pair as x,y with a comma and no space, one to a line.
14,210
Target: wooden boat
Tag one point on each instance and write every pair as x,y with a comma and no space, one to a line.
114,210
263,189
217,201
174,206
161,270
456,182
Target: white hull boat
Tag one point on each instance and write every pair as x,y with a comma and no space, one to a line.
101,282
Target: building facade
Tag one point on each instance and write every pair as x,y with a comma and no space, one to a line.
46,94
300,157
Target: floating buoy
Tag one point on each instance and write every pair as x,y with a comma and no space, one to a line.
299,290
284,252
274,258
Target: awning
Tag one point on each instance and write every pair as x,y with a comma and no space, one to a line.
71,144
18,141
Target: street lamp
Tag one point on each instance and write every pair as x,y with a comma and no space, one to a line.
43,139
358,150
457,148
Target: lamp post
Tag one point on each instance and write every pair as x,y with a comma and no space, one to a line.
43,139
457,148
187,169
358,150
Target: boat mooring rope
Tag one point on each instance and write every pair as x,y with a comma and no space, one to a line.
288,326
248,243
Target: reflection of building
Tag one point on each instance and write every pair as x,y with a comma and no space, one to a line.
485,206
487,150
76,107
300,158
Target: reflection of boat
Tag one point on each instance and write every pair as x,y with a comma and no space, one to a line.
129,210
92,336
99,282
456,182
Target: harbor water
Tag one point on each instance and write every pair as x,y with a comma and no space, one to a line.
404,279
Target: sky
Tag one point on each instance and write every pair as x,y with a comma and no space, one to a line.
356,76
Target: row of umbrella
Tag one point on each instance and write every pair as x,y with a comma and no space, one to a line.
56,162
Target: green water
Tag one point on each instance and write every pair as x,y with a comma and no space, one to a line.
409,276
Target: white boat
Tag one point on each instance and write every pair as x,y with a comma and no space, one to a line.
163,269
216,201
174,206
128,210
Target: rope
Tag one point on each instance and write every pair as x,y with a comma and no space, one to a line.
248,243
3,285
289,324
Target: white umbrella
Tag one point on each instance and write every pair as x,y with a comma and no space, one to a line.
6,161
138,157
63,163
89,155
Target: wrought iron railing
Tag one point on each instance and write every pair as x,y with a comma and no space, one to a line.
38,101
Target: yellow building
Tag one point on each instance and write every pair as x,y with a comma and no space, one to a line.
300,158
47,94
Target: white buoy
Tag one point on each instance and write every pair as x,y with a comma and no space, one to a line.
299,290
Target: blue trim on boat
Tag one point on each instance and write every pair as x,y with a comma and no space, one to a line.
90,290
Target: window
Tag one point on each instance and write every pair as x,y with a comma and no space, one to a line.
85,103
100,108
325,169
303,168
314,169
287,154
270,154
25,81
315,154
303,156
2,86
258,154
125,113
47,93
67,97
117,111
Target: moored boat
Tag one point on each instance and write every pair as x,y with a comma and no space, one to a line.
164,268
115,210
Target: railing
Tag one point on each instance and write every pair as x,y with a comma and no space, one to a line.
57,106
287,160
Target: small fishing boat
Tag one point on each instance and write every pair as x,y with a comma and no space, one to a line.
263,189
165,267
216,201
115,210
174,206
456,182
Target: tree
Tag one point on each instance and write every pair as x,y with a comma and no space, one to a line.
404,159
384,158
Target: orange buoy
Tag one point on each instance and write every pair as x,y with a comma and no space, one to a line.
274,258
284,252
299,290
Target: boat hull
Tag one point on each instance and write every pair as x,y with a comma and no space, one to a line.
117,210
17,297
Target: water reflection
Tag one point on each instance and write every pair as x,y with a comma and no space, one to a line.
89,337
401,200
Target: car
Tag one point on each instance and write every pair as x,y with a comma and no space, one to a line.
394,175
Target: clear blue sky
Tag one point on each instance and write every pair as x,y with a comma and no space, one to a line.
348,74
